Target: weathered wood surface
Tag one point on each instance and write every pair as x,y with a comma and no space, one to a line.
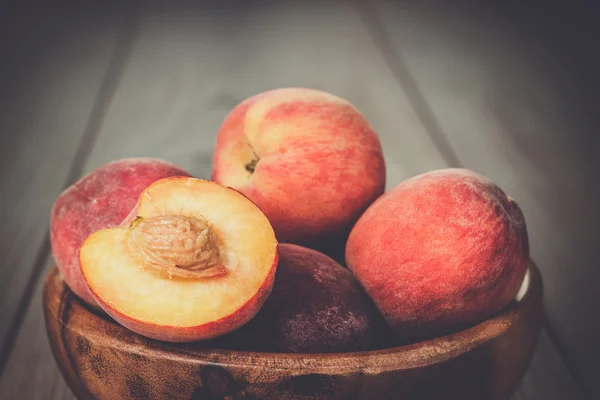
190,65
31,371
498,85
54,63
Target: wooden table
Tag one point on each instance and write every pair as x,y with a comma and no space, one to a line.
89,82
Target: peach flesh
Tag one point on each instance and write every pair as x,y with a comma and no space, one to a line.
221,243
99,200
440,252
307,158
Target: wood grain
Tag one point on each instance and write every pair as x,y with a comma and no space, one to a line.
54,61
486,361
547,377
545,380
508,108
190,66
31,372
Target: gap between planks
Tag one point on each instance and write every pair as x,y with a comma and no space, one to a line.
125,42
382,40
447,156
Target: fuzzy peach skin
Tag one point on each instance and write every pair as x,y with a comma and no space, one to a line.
307,158
198,262
316,306
99,200
440,252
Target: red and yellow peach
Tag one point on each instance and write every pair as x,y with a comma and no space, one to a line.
309,159
441,251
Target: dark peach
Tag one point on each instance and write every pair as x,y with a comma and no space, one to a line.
316,306
440,252
102,199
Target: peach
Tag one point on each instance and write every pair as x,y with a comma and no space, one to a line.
316,306
440,252
307,158
197,262
101,199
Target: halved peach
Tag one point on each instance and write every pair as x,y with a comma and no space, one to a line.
197,262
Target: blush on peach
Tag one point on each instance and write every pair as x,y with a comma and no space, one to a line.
439,252
309,159
101,199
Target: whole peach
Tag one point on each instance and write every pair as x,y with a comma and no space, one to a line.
307,158
316,306
102,199
439,252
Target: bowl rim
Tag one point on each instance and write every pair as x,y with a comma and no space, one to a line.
415,355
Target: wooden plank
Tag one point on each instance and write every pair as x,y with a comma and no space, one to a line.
190,67
185,74
499,101
31,371
547,377
54,59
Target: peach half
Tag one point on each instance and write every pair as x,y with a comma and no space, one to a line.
197,262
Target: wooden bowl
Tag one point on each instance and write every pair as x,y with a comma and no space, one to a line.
102,360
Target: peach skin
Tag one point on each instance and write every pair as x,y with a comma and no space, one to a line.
309,159
316,306
440,252
101,199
